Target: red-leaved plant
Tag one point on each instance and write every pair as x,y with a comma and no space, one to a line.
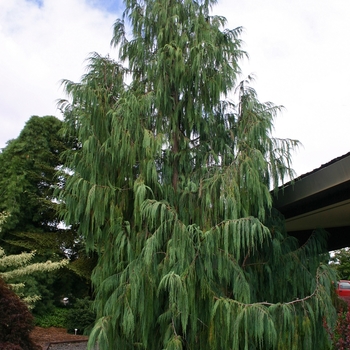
340,336
16,321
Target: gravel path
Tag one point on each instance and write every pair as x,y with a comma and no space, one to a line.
82,345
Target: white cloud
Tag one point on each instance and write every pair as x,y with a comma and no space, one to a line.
299,51
40,47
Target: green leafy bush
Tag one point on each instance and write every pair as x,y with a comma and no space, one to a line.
57,318
80,316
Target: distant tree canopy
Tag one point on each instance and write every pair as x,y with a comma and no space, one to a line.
171,186
341,263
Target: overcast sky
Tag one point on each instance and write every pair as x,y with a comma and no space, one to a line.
299,52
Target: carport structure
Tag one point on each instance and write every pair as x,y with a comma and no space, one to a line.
319,199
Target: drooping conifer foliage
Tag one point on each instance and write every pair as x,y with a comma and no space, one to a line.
171,186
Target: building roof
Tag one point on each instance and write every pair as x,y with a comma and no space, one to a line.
319,199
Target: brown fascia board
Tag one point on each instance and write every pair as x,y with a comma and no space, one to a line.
323,186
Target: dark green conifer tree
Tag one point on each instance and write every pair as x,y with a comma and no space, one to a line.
28,179
28,165
171,186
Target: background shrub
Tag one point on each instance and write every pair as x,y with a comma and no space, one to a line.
80,316
56,318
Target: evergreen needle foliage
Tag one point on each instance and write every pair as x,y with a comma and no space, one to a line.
171,185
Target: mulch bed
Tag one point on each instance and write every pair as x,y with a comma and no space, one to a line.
55,336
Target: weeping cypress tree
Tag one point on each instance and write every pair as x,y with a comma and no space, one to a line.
171,186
